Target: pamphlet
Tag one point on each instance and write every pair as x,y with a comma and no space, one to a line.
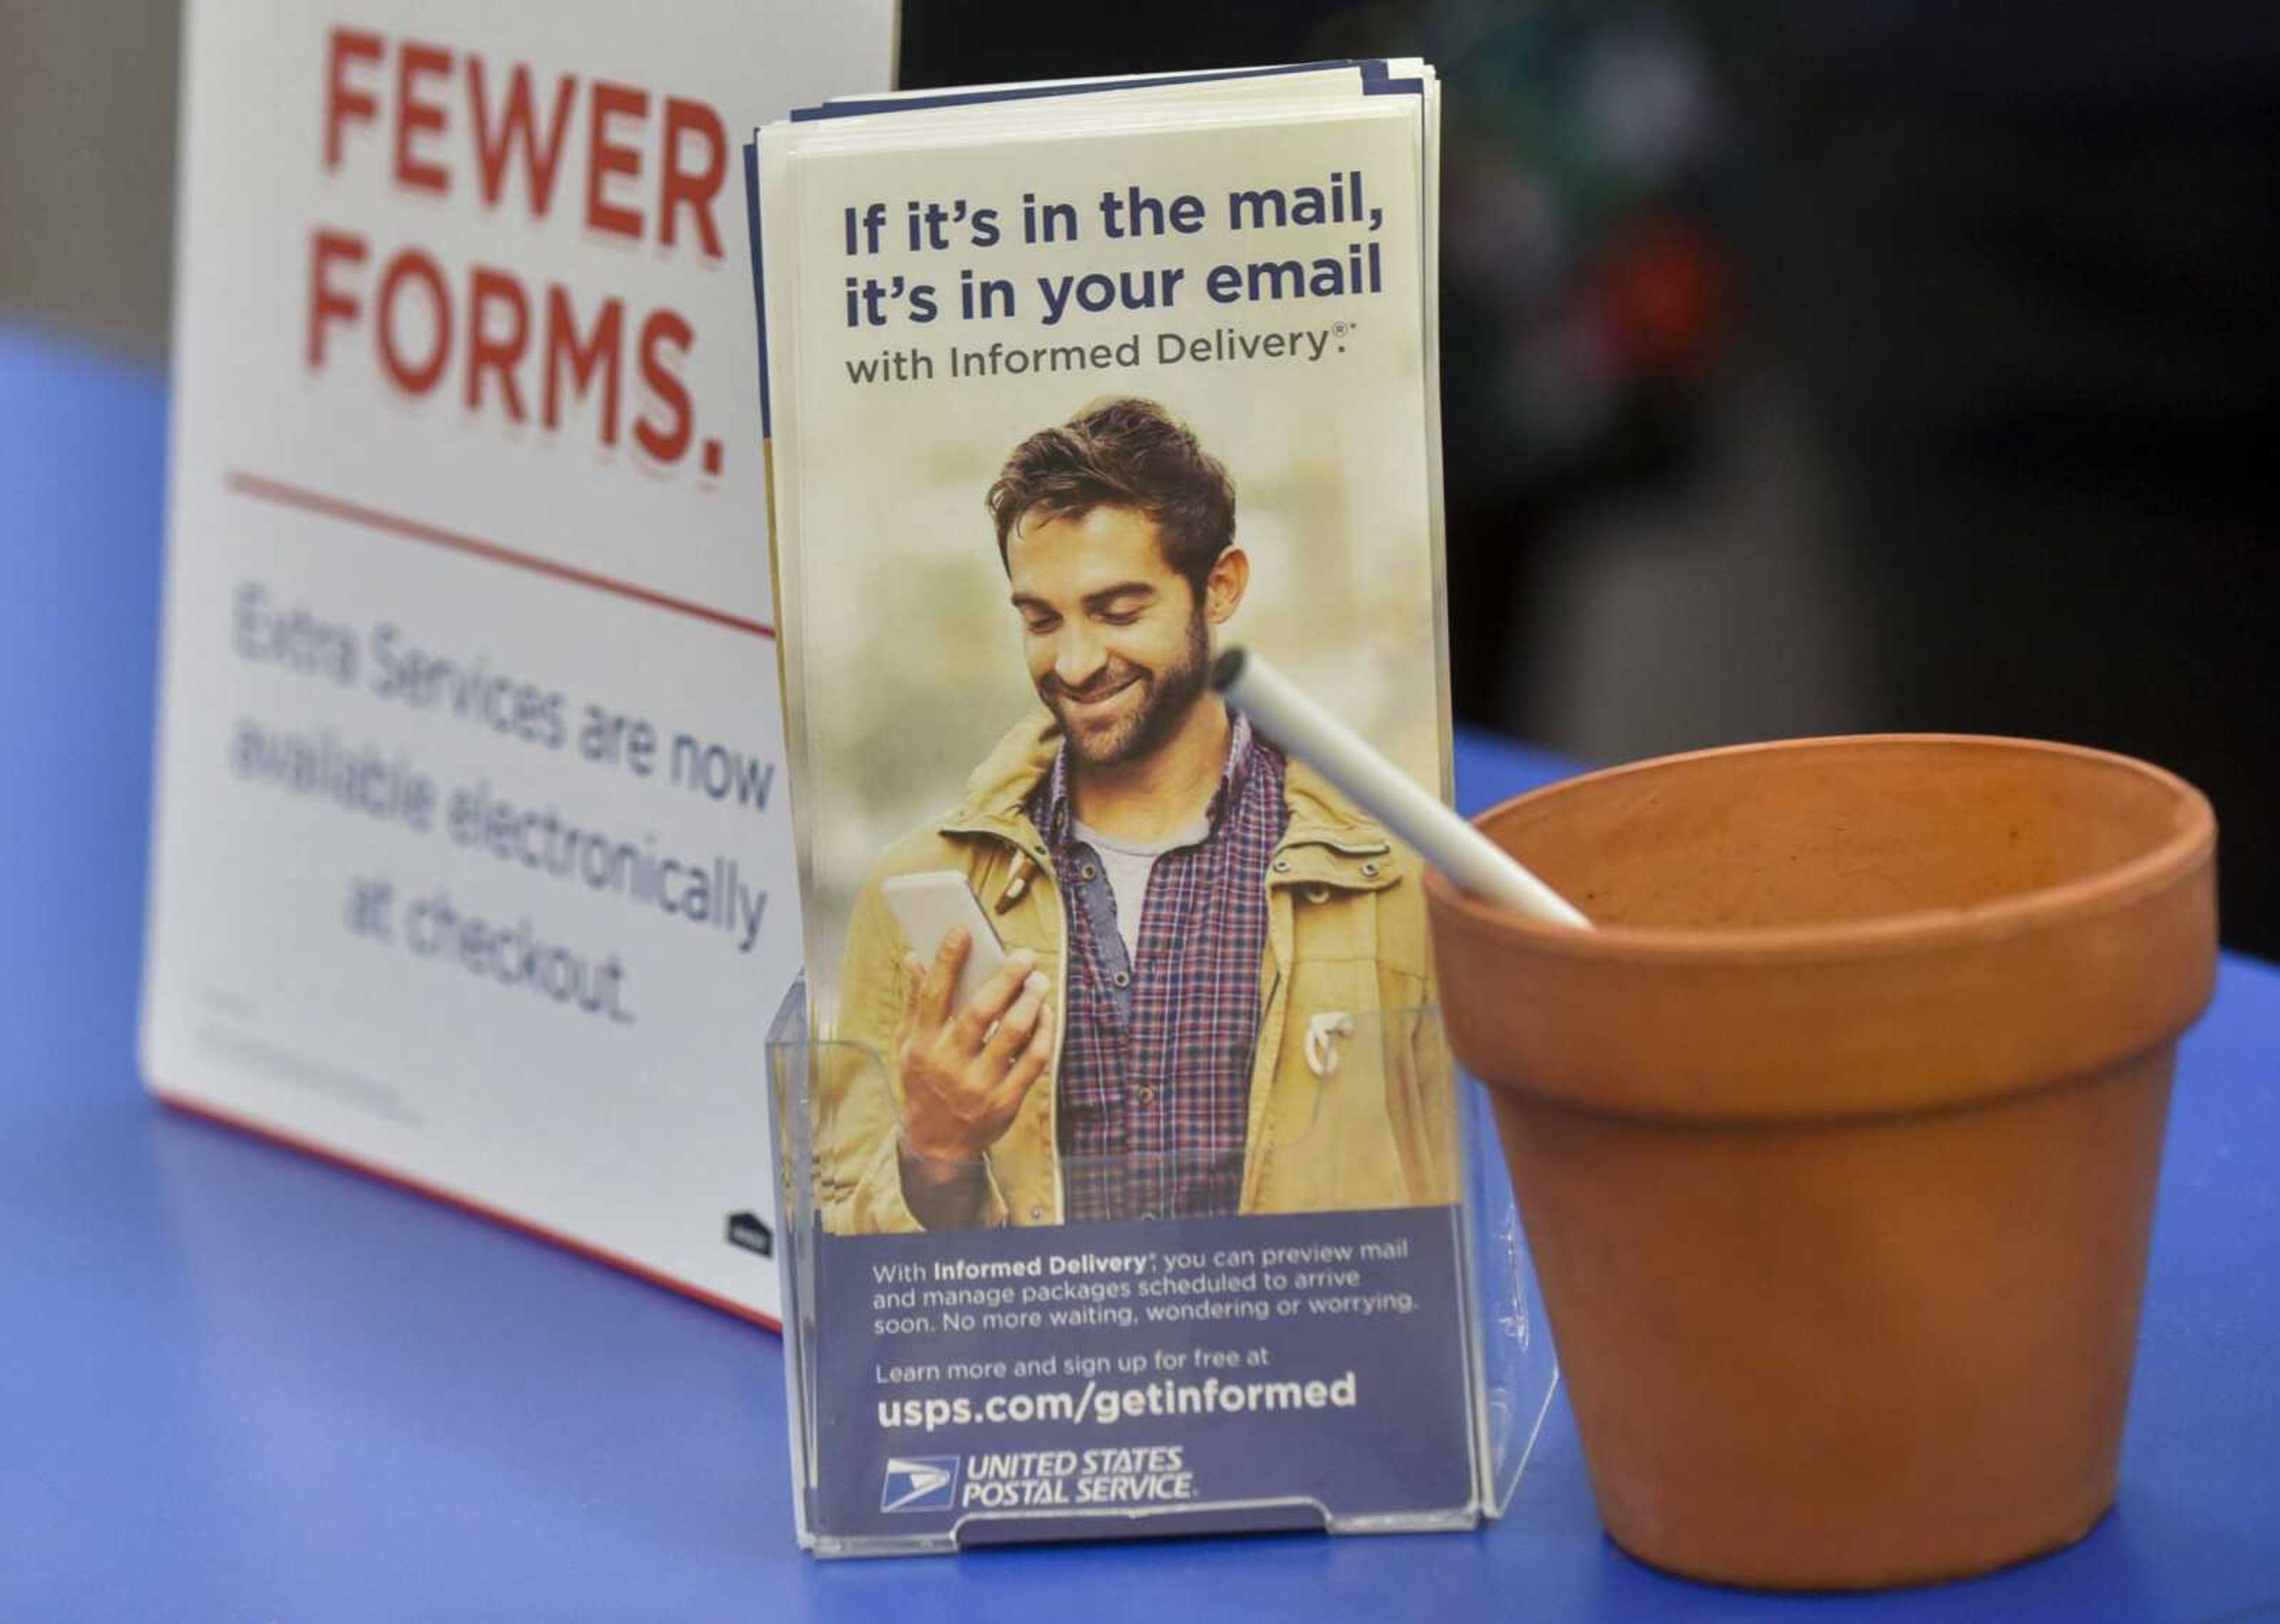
1122,1167
470,861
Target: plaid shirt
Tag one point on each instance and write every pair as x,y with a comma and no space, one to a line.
1156,1057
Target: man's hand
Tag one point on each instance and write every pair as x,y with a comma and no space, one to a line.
964,1073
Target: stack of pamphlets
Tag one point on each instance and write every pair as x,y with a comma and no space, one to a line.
1121,1149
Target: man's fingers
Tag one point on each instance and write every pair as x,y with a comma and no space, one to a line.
1030,1066
932,1005
1020,1021
995,997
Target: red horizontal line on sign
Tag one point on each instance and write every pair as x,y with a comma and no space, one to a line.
308,501
230,1119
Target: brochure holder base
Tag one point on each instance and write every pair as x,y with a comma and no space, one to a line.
1124,1378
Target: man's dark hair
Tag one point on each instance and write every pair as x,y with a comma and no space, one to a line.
1123,454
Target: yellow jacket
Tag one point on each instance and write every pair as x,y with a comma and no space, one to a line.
1351,1098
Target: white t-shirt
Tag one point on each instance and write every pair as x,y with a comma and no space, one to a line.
1127,866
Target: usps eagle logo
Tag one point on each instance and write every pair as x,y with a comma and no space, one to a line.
919,1483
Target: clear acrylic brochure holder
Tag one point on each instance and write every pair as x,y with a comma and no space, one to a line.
1502,1373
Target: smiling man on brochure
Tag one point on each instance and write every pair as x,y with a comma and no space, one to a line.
1212,956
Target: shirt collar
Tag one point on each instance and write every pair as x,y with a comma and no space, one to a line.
1057,810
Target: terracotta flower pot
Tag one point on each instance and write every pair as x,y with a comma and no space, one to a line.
1837,1144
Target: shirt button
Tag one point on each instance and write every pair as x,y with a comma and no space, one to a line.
1369,868
1036,1215
1123,978
1281,865
1088,872
1150,1215
1147,1093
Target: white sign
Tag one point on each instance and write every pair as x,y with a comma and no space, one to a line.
472,861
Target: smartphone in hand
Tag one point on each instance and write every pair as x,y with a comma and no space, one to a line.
926,906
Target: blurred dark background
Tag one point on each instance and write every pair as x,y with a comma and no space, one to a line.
1808,366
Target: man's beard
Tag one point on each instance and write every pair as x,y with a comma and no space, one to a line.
1164,700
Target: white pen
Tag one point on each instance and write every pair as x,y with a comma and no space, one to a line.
1473,862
